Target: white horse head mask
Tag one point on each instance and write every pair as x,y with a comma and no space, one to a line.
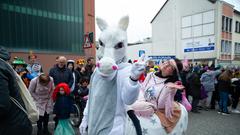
113,40
112,45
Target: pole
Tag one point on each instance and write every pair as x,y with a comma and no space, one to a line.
192,33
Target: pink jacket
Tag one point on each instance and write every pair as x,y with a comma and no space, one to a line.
42,95
154,90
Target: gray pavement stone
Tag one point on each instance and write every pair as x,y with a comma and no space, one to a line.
205,123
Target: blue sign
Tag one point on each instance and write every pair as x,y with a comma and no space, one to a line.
159,59
141,52
210,47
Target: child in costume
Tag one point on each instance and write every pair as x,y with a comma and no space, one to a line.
62,108
19,65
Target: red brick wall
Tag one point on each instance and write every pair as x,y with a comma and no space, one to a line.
89,23
227,10
226,35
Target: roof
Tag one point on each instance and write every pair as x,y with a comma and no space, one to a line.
159,11
235,3
237,12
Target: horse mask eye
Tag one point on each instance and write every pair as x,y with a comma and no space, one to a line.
119,45
101,43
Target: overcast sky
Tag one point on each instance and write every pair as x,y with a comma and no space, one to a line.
141,12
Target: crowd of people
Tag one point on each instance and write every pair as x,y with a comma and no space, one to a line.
206,87
53,92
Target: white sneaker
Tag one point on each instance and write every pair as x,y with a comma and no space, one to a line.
226,114
235,111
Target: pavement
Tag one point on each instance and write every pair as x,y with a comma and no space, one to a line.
212,123
204,123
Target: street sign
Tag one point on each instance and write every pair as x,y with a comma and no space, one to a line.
140,52
87,43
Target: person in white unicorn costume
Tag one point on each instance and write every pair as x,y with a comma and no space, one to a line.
114,88
114,83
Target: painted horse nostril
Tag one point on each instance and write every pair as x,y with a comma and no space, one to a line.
114,67
98,64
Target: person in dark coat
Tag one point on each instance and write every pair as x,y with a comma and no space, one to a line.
194,86
13,121
235,95
60,73
224,87
89,68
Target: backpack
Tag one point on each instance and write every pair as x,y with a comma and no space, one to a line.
30,107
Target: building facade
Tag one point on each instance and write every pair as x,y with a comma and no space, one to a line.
48,28
201,31
135,50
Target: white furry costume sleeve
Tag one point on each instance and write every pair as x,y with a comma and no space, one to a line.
127,93
130,89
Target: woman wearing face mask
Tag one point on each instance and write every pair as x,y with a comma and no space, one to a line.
41,89
62,108
76,75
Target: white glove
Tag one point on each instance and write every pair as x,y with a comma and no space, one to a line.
138,67
83,126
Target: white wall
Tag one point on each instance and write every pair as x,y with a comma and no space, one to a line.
133,50
202,27
163,31
167,28
235,36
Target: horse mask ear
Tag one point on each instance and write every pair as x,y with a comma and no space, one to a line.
123,23
102,24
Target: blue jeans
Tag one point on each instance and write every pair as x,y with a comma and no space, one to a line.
223,101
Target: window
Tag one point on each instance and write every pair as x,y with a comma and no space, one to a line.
23,10
47,25
45,14
223,22
35,12
222,46
226,24
229,47
237,48
237,27
226,46
17,8
29,11
230,25
39,13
